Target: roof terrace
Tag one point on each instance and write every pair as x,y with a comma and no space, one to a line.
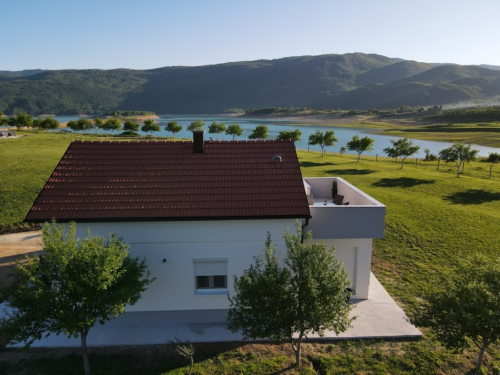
363,217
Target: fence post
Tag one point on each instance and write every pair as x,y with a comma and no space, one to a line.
439,160
416,162
491,167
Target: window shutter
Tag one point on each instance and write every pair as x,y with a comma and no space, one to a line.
210,268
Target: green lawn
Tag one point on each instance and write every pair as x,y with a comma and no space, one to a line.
433,219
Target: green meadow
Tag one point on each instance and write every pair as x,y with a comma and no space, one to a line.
433,219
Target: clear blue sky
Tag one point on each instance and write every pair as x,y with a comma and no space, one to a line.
146,34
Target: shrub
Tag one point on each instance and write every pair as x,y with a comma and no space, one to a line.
494,157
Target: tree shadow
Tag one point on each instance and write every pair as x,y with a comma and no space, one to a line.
473,196
402,182
313,164
351,171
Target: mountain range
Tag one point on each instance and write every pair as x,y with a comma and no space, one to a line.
349,81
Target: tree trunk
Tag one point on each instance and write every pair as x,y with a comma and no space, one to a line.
297,349
402,163
359,156
458,170
83,339
191,367
481,353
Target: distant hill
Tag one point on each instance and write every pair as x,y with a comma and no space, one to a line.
350,81
21,73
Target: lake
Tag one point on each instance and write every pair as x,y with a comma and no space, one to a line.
343,135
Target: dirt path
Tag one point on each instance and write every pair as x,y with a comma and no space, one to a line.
17,246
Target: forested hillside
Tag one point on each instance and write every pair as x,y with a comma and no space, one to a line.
350,81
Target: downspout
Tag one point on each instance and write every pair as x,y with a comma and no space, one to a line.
303,226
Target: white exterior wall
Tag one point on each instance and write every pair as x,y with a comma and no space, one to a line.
181,242
356,254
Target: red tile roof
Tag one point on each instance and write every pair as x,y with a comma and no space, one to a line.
116,181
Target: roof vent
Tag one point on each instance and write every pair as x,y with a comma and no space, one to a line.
276,158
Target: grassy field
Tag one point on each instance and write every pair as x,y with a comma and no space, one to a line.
433,219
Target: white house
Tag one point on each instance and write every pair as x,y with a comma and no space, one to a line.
199,212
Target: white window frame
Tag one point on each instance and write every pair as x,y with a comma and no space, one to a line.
210,267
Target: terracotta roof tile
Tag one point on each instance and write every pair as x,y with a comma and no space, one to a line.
167,181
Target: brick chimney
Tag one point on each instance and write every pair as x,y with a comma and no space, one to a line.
198,141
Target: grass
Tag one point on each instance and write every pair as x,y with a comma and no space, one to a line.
432,220
486,134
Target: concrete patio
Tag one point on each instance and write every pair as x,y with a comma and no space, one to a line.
377,317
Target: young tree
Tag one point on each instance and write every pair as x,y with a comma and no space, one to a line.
85,124
464,305
360,145
401,148
112,124
196,125
76,283
21,120
131,126
4,121
294,135
216,128
343,149
458,153
150,126
173,127
47,123
310,292
235,130
98,123
326,139
260,132
74,125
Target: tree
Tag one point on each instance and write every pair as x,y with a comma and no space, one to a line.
4,121
326,139
342,150
150,126
310,291
401,148
76,283
112,124
196,125
85,124
98,123
360,145
47,123
235,130
74,125
464,305
294,135
260,132
458,153
216,128
173,127
21,120
131,126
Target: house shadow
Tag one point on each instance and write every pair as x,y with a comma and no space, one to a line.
307,164
8,266
351,171
473,196
404,182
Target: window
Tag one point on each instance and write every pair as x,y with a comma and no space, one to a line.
210,274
